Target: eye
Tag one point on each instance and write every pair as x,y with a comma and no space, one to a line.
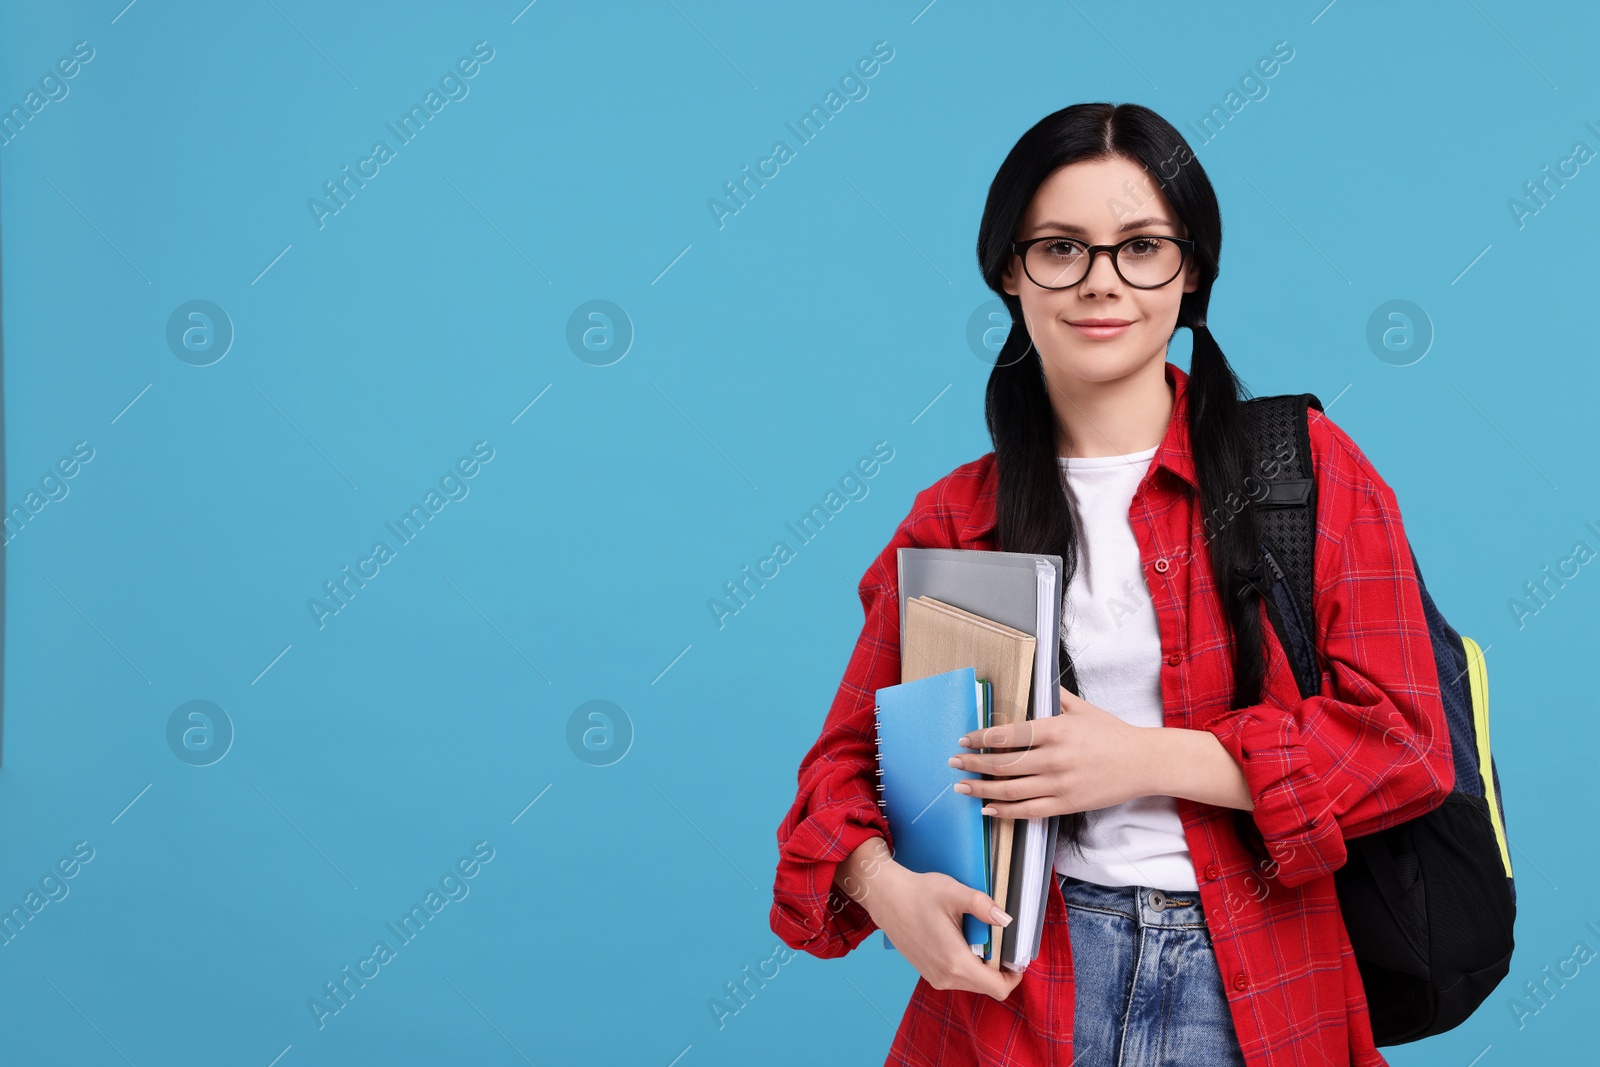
1060,248
1145,246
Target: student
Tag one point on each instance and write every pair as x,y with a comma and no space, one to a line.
1205,804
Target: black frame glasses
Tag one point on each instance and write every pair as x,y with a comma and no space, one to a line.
1185,246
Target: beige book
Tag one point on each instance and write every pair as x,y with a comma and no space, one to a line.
940,637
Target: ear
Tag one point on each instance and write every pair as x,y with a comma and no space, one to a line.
1191,275
1009,276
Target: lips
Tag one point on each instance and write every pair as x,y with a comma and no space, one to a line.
1100,329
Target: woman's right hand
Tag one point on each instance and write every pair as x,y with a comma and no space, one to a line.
922,916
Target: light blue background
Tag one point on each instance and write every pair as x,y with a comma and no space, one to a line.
768,355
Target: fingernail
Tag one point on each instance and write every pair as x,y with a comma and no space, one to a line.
987,810
1000,917
962,787
955,761
964,743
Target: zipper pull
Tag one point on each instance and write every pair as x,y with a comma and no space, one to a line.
1277,572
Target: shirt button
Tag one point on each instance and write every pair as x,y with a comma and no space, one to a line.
1240,981
1161,565
1175,658
1211,872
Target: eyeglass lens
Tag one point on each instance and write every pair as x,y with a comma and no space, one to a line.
1145,261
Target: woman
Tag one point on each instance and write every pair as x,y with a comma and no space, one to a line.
1205,804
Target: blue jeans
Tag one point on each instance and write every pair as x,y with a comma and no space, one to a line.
1149,992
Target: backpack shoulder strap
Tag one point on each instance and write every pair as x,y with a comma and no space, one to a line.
1279,440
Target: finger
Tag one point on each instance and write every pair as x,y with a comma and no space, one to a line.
1037,807
1017,789
1009,763
971,973
981,905
1006,735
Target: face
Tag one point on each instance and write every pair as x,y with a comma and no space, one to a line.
1099,202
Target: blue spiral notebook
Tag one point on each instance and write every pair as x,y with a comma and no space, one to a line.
931,826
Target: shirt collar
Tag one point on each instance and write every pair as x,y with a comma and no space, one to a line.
1174,453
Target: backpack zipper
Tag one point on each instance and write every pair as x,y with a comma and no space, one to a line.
1277,572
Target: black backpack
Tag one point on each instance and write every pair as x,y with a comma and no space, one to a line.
1429,904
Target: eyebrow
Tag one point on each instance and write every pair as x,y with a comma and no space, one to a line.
1131,224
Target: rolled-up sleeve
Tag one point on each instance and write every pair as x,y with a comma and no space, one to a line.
836,804
1376,750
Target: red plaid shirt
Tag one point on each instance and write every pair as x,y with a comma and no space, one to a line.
1370,750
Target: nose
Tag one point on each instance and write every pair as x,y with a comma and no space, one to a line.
1102,273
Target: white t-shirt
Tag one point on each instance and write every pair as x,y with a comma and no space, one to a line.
1109,628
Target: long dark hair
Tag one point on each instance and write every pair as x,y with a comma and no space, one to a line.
1032,508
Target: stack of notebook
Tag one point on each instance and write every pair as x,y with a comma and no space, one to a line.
980,640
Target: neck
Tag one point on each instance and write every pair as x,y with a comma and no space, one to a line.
1111,418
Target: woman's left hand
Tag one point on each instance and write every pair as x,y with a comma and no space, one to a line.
1082,759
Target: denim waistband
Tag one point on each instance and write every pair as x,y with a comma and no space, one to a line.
1144,905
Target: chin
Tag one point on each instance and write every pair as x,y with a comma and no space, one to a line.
1102,361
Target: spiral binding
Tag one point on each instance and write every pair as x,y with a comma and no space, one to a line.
877,749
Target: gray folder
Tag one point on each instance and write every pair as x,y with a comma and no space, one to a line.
1021,590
